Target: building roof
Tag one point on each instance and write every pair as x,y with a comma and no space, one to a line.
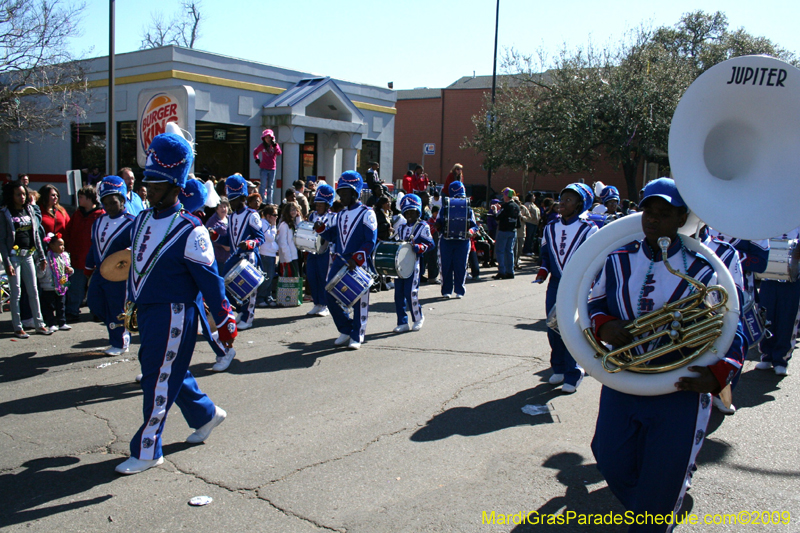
466,82
419,94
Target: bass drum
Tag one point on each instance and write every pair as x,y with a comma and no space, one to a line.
782,263
308,240
396,259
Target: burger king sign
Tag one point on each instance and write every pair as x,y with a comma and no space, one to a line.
156,108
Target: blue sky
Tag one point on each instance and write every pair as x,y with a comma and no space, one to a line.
415,43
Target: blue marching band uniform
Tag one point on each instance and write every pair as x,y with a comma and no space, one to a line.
172,264
105,298
646,446
560,240
193,198
244,237
454,253
352,235
317,265
781,301
406,291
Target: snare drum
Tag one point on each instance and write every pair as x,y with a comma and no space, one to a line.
753,322
243,280
308,240
349,286
395,259
781,264
456,225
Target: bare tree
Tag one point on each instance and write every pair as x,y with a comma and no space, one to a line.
40,83
182,30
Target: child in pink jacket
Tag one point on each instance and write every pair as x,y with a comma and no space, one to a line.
265,155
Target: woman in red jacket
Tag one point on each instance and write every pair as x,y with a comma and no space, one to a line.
78,239
456,174
54,217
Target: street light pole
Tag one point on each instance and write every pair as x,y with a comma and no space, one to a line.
111,131
494,90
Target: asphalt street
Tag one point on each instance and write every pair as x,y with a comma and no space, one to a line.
418,432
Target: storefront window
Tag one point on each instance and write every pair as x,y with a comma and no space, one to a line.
126,151
308,156
370,151
89,147
222,150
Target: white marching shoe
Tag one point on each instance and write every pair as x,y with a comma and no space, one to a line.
224,362
204,431
402,328
354,345
764,365
138,378
343,339
241,326
133,465
781,371
717,402
566,388
418,325
556,379
116,351
314,311
323,311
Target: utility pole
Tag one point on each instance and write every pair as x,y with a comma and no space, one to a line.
111,130
494,90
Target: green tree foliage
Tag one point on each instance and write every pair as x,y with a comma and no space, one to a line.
615,102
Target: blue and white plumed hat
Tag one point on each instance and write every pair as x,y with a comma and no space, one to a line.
609,193
411,202
112,185
457,190
351,180
585,193
194,195
169,159
235,187
663,188
325,194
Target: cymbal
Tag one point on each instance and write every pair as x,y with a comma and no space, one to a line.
116,266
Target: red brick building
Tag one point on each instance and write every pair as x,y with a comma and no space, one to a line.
444,117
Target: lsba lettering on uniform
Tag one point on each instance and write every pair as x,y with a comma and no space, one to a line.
772,77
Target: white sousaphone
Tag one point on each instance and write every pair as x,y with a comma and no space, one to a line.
733,147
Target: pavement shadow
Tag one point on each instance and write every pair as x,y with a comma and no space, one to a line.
297,355
577,497
39,483
488,417
539,325
27,365
754,388
68,399
102,342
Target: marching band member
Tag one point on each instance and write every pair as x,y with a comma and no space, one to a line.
110,233
560,240
244,237
172,263
754,256
781,300
353,236
646,446
193,197
406,291
454,253
317,264
730,257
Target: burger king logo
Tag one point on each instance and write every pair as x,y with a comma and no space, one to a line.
160,109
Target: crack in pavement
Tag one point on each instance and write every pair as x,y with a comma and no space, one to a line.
114,437
249,493
469,353
12,437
